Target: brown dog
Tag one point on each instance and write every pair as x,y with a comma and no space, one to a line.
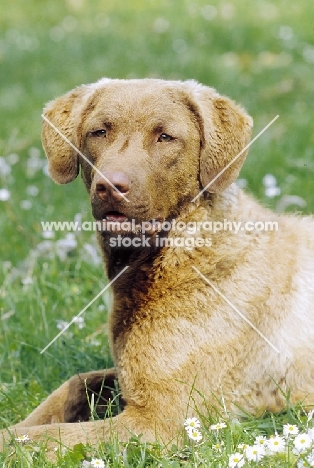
180,340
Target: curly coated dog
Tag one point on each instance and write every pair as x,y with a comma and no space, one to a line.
207,308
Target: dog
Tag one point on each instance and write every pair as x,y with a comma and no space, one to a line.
199,315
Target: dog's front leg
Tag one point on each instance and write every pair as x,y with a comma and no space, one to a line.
71,402
132,421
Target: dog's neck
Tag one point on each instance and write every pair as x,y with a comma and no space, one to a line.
145,264
118,257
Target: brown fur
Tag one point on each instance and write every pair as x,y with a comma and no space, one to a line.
173,338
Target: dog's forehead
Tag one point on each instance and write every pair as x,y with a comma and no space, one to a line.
138,97
147,86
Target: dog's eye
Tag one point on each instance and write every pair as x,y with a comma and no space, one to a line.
165,138
99,133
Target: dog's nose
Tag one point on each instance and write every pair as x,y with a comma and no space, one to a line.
112,185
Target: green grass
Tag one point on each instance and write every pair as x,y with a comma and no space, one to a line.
259,53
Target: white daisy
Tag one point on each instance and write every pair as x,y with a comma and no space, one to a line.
269,180
85,464
260,440
218,447
308,461
4,194
311,433
22,438
272,192
12,159
276,444
255,452
32,190
79,322
302,464
191,423
97,462
290,429
194,434
310,458
5,168
26,204
218,426
302,442
61,324
48,234
236,460
242,446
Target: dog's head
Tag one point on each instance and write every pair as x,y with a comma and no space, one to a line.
146,147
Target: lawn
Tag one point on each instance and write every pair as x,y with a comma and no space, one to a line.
260,53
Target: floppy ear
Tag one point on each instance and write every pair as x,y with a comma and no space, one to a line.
226,129
64,113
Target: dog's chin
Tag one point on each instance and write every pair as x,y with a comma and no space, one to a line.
117,223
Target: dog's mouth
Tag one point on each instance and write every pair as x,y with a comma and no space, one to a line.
115,217
119,223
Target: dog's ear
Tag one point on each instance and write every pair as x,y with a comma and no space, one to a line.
64,113
226,130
